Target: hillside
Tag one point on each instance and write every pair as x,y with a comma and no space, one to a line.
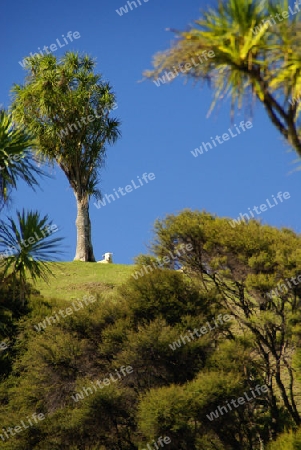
75,279
202,359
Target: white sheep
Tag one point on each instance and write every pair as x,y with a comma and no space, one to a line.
107,258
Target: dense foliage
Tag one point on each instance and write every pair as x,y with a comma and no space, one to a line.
180,384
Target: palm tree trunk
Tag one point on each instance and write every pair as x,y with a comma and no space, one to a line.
84,249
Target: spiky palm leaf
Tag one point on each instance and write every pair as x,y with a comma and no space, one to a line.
16,160
253,59
27,246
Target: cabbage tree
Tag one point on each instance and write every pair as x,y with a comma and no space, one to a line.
66,106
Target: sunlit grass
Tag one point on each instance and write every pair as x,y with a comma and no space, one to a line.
75,279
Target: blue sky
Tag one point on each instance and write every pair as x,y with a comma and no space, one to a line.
160,128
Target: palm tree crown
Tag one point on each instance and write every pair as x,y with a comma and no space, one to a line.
256,47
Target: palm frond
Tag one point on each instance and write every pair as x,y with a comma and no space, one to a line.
27,246
16,158
256,56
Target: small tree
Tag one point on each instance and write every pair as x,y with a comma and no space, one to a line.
246,269
66,107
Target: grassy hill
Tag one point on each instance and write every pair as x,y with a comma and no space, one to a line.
75,279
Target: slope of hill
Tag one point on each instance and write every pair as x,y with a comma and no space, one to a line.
75,279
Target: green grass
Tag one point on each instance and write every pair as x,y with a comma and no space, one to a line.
75,279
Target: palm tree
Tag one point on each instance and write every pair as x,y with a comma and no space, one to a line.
16,161
256,55
66,107
26,247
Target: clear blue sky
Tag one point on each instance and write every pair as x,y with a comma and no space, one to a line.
160,127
